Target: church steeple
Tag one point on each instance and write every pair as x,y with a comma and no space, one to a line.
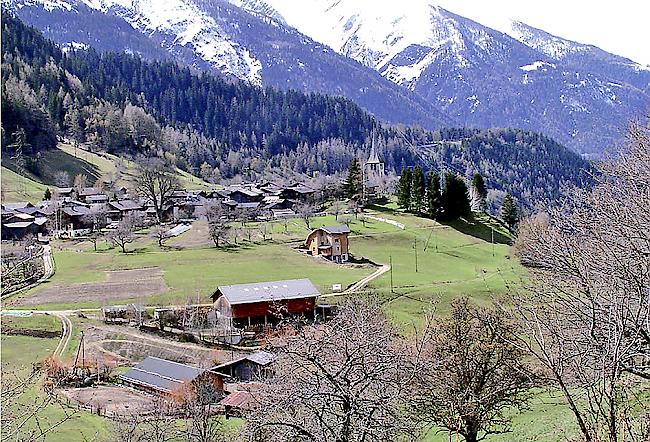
373,158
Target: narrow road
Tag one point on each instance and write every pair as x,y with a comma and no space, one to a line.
361,283
66,335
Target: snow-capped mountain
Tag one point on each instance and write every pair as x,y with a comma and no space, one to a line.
408,62
514,76
221,37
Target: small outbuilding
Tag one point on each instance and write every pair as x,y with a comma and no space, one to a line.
236,402
247,368
330,242
161,376
264,302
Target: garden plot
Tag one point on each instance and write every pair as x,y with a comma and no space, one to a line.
119,284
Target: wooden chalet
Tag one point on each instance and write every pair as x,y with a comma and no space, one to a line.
264,302
329,242
298,192
164,377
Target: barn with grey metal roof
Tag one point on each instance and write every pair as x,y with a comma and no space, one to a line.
266,291
161,375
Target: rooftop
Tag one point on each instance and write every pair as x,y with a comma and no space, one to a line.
261,358
267,291
238,399
161,374
336,229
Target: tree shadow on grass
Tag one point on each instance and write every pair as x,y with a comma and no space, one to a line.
478,229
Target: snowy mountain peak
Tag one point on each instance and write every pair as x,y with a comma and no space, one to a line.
174,22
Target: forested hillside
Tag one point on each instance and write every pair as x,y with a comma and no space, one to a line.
219,129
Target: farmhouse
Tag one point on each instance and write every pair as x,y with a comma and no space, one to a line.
329,242
247,368
264,302
161,376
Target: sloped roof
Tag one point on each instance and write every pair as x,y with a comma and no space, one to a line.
267,291
237,399
16,206
262,358
19,225
373,158
76,210
123,205
161,374
87,191
336,229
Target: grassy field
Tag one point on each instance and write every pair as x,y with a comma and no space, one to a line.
18,355
452,260
76,161
449,264
193,273
14,188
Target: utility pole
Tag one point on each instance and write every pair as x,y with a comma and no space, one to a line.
415,248
390,260
492,229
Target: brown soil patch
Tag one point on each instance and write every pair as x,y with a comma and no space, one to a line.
33,333
111,400
120,284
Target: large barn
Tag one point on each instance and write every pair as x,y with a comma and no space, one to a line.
244,305
161,376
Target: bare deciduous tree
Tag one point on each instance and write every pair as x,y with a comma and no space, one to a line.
588,316
342,381
471,376
124,233
218,227
22,417
337,208
96,216
156,183
306,212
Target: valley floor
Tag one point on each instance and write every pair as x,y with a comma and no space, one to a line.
451,260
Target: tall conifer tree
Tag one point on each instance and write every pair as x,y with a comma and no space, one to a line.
404,189
418,187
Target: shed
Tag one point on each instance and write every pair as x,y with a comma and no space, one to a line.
247,368
235,402
163,377
265,302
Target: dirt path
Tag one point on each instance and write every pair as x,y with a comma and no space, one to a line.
362,282
66,335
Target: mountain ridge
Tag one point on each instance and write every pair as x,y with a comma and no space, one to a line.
423,66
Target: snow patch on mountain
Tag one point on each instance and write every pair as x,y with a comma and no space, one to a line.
537,65
375,35
555,47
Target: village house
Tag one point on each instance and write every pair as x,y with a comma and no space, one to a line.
247,368
298,192
117,210
244,305
329,242
164,377
89,194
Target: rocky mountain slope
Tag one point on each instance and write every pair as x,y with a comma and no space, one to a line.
517,76
218,36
